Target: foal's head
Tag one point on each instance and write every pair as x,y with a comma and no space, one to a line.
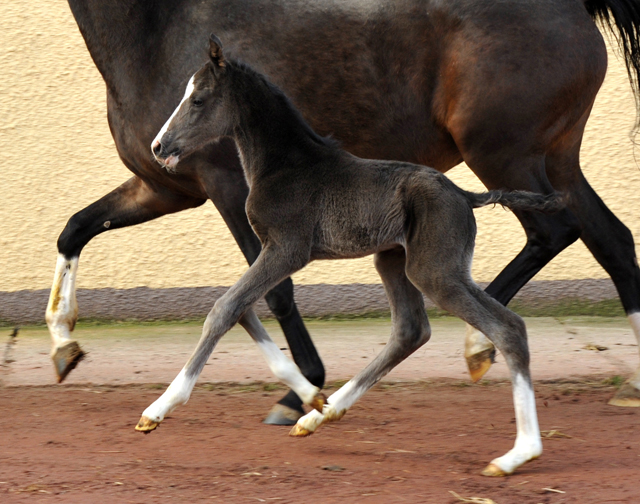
203,114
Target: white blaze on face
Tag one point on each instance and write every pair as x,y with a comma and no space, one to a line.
172,160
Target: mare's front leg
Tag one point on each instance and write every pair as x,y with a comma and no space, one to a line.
132,203
410,331
270,268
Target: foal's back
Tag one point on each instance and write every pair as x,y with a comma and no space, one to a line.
368,206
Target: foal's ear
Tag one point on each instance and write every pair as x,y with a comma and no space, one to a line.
215,53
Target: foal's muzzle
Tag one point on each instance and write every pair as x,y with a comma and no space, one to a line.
167,159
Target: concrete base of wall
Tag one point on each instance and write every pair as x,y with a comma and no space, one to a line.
143,303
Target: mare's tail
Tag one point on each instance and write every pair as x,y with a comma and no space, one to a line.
622,18
517,200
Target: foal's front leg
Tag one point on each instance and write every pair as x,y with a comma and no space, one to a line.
270,268
281,366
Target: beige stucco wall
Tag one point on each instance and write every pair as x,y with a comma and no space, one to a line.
58,157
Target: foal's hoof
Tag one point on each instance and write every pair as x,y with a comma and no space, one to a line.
146,425
282,415
494,471
299,431
480,363
627,396
66,358
318,402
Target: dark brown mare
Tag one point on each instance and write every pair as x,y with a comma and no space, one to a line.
505,86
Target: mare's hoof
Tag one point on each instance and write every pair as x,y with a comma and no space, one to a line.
494,471
146,425
66,358
282,415
318,402
480,363
627,396
299,431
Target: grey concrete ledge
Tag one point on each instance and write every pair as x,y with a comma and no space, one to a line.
143,303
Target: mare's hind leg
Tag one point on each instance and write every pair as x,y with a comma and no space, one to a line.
410,331
132,203
547,236
226,186
611,243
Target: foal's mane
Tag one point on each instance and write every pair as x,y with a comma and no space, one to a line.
284,103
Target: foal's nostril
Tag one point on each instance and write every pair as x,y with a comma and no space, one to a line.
157,147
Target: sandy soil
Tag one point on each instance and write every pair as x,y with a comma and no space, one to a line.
412,442
409,443
124,354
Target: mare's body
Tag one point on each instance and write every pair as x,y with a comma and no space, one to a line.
505,86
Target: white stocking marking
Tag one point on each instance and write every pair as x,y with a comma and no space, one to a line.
528,444
62,309
337,405
634,320
281,366
177,394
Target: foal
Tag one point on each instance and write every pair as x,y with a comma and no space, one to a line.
311,200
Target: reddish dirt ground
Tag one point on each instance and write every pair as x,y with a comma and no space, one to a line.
413,443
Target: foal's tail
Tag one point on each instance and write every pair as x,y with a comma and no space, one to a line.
517,200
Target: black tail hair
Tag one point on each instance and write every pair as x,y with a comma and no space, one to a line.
518,200
625,15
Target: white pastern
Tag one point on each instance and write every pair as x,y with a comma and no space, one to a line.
337,405
311,421
62,309
176,395
343,398
164,128
528,443
634,320
281,366
475,342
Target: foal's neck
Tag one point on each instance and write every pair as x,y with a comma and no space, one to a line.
270,133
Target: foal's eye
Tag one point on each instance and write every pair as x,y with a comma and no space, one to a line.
197,102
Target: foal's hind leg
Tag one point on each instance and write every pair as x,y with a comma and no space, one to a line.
410,331
457,294
134,202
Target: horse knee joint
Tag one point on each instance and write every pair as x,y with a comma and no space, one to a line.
280,299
